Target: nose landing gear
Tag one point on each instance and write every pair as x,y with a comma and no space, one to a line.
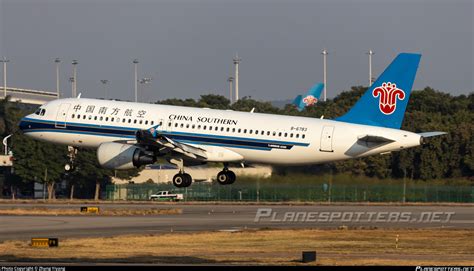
72,152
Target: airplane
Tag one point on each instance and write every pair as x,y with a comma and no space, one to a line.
128,134
311,97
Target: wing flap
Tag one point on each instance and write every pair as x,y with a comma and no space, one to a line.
152,138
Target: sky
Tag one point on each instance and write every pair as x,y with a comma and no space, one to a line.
187,46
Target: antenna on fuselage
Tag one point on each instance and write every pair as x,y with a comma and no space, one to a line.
79,96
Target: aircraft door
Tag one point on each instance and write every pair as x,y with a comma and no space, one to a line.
326,139
61,116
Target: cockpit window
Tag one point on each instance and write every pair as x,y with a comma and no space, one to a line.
40,111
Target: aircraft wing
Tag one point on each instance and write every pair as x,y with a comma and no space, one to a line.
152,138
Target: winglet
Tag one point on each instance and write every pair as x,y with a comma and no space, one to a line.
154,130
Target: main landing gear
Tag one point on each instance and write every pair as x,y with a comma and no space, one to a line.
71,154
181,179
226,176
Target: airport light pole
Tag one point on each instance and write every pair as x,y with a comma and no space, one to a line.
370,53
74,82
57,61
230,80
135,62
325,53
236,60
104,82
4,61
71,79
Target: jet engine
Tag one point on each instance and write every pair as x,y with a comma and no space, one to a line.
123,156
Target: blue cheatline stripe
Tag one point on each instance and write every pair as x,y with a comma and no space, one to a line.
171,133
32,125
226,145
74,132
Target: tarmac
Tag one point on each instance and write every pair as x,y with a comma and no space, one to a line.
230,217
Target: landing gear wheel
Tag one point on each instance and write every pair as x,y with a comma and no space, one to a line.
68,167
179,180
226,177
182,180
188,179
231,176
222,177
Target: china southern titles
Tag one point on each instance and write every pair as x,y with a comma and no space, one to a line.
204,119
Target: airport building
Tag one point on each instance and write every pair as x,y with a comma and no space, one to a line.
165,173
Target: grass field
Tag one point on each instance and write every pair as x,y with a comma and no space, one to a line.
276,247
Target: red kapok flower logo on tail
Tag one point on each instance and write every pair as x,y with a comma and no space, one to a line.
388,94
310,100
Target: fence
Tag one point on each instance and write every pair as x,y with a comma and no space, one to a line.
304,193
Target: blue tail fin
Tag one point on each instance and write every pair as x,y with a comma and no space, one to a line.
297,101
311,97
384,103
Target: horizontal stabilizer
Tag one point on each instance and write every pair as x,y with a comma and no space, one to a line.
431,134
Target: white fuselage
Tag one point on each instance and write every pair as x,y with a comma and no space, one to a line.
226,135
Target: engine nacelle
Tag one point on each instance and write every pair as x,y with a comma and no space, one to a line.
123,156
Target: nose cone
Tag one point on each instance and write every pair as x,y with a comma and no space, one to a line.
23,124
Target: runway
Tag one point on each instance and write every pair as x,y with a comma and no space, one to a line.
195,218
